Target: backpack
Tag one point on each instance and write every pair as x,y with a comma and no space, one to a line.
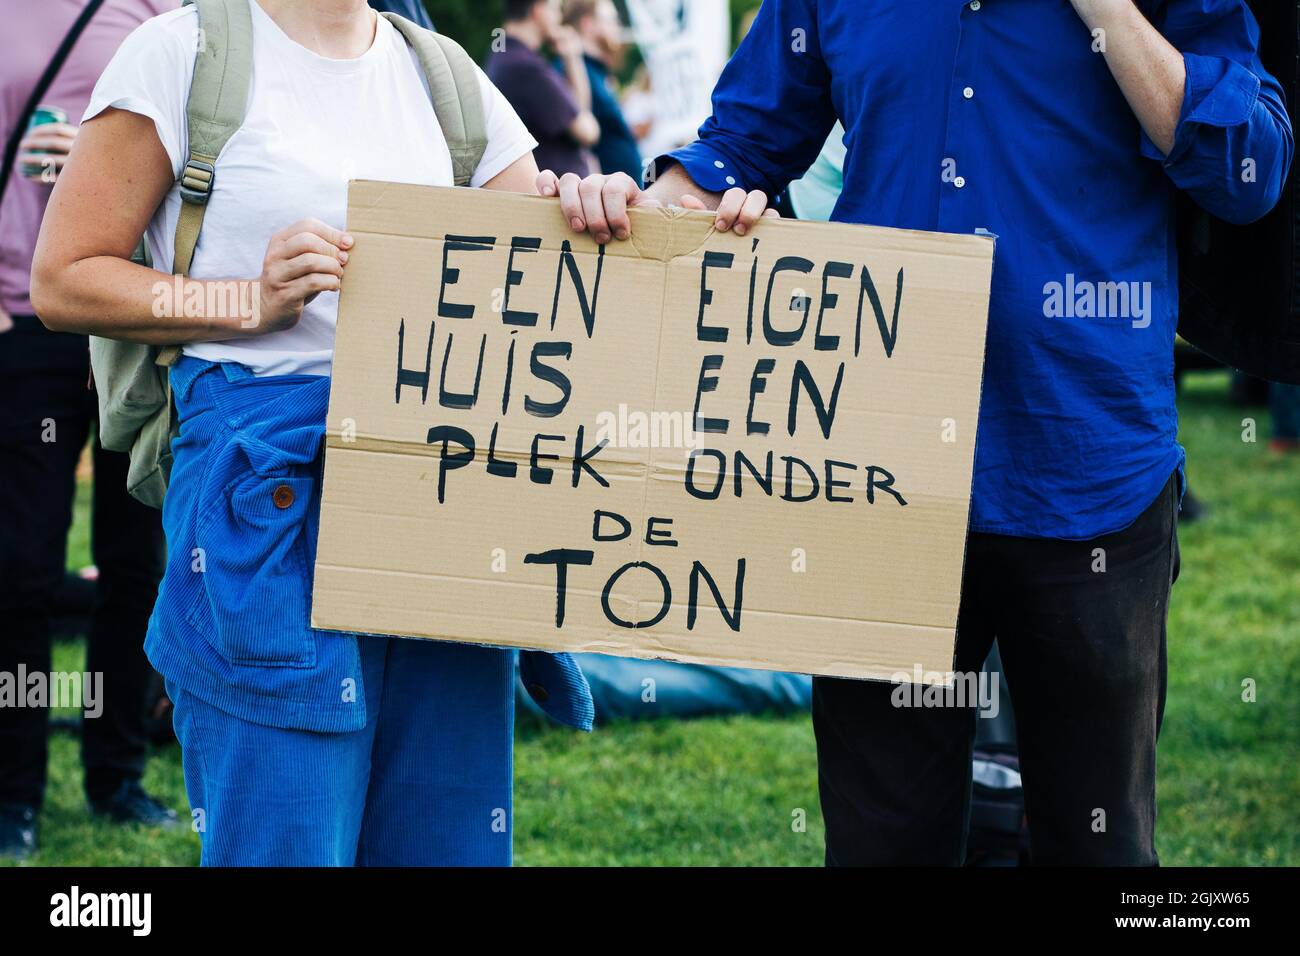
136,411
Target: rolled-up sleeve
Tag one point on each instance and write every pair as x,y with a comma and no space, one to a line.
771,108
1234,144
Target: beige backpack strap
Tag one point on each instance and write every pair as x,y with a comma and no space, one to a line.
218,101
454,88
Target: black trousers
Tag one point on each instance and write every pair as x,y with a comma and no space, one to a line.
46,414
1084,653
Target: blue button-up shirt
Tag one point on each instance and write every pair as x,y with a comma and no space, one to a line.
1003,115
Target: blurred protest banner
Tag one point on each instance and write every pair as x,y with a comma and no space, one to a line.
685,44
740,450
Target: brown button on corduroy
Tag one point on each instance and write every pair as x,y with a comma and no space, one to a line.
282,496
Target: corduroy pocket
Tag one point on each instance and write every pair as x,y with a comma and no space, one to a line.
255,605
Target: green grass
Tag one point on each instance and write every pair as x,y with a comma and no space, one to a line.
1229,786
675,793
728,791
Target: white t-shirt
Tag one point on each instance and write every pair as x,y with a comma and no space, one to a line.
313,124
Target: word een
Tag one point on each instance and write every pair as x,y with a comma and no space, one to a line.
75,908
55,689
566,263
1082,299
658,534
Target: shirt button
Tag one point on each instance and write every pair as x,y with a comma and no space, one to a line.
975,5
959,182
968,92
283,496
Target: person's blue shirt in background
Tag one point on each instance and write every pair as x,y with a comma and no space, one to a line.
815,195
1001,116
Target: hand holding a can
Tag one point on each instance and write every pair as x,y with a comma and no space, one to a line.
44,150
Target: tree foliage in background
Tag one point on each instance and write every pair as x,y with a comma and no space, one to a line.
471,22
739,8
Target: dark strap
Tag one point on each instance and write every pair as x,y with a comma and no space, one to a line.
41,88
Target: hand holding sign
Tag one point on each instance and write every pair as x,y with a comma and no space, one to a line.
598,204
302,261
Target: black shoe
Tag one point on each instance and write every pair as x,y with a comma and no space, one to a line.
17,831
130,804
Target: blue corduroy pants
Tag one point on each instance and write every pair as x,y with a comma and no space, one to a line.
426,782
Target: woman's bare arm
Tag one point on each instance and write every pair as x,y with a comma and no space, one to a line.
83,279
519,177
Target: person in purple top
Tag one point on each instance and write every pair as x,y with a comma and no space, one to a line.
46,412
555,106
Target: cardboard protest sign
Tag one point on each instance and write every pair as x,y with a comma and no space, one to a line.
741,450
